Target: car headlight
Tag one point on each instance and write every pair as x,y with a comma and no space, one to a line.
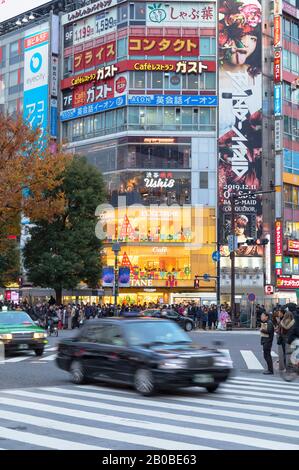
223,361
173,364
6,336
39,335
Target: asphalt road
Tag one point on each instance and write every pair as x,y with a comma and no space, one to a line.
36,372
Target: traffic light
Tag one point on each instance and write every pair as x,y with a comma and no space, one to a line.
253,241
196,282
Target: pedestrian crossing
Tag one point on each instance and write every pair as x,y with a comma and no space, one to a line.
246,413
242,359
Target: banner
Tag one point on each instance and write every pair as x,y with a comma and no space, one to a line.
181,14
167,46
108,276
240,121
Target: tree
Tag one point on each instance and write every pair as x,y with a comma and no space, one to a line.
65,251
30,168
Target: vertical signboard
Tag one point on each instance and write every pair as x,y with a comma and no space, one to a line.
278,247
240,120
36,73
277,66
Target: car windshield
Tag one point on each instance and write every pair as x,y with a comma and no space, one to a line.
155,332
14,318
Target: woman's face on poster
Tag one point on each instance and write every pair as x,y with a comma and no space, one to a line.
239,55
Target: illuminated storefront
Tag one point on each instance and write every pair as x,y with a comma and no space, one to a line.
139,100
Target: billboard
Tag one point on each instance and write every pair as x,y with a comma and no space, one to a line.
93,108
160,45
181,14
12,8
240,121
173,100
36,77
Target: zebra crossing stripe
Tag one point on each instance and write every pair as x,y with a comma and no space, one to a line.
149,413
281,383
166,428
49,358
17,359
87,402
44,441
103,433
262,387
251,361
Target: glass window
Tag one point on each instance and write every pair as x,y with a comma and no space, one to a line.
157,80
294,61
122,48
169,117
286,59
139,80
210,81
2,56
88,125
67,66
287,27
187,116
151,116
133,114
137,11
204,180
99,120
172,81
204,116
122,14
78,128
120,117
12,107
110,117
192,81
13,78
14,49
207,46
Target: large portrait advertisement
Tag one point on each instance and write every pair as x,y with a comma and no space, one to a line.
240,121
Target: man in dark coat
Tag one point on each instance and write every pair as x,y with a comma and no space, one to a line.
267,334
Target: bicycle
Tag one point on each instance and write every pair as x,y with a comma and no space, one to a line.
292,369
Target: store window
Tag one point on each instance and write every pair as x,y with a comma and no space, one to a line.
122,48
122,15
204,180
78,129
137,80
137,12
207,47
67,66
14,54
157,80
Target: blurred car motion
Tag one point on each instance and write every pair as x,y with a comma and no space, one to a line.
184,322
147,353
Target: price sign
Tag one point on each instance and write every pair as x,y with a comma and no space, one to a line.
95,26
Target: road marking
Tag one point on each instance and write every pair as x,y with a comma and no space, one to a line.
44,441
263,387
109,434
17,359
251,361
226,353
50,349
49,358
280,383
153,426
274,354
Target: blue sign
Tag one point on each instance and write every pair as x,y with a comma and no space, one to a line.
124,277
108,276
173,100
216,256
206,277
93,108
36,108
36,62
53,120
277,100
251,297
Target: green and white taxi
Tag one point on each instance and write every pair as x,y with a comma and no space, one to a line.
18,332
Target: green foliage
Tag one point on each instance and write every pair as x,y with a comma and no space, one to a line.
65,251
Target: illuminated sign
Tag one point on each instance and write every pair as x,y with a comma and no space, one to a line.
278,135
94,26
107,72
12,8
173,100
287,283
168,46
293,246
277,7
159,180
278,238
88,10
277,100
277,66
141,282
277,31
159,140
159,250
94,57
181,14
93,108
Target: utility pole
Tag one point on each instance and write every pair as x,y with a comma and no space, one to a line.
232,258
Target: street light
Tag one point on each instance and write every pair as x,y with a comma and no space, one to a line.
116,249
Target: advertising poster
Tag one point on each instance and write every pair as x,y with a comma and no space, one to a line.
240,121
107,276
124,277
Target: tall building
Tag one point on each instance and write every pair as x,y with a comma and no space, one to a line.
139,99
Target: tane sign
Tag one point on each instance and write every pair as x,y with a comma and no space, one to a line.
12,8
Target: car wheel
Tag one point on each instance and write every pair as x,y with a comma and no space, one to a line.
188,326
144,382
212,388
39,352
77,373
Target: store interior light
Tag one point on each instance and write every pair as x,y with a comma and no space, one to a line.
25,19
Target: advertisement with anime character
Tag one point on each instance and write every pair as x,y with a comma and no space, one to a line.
240,121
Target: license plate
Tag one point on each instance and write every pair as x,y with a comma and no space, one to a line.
203,379
23,346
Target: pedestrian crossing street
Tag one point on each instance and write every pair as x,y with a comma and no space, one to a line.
246,413
243,359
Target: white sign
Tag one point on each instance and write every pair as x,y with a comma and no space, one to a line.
277,7
278,135
182,14
12,8
36,67
54,76
95,7
95,26
153,180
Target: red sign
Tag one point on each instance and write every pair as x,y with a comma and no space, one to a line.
36,40
277,31
121,85
167,46
293,246
278,238
7,295
287,283
269,289
96,56
277,66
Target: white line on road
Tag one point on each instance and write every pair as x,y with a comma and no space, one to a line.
280,383
44,441
225,352
50,349
18,359
49,358
251,361
103,433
